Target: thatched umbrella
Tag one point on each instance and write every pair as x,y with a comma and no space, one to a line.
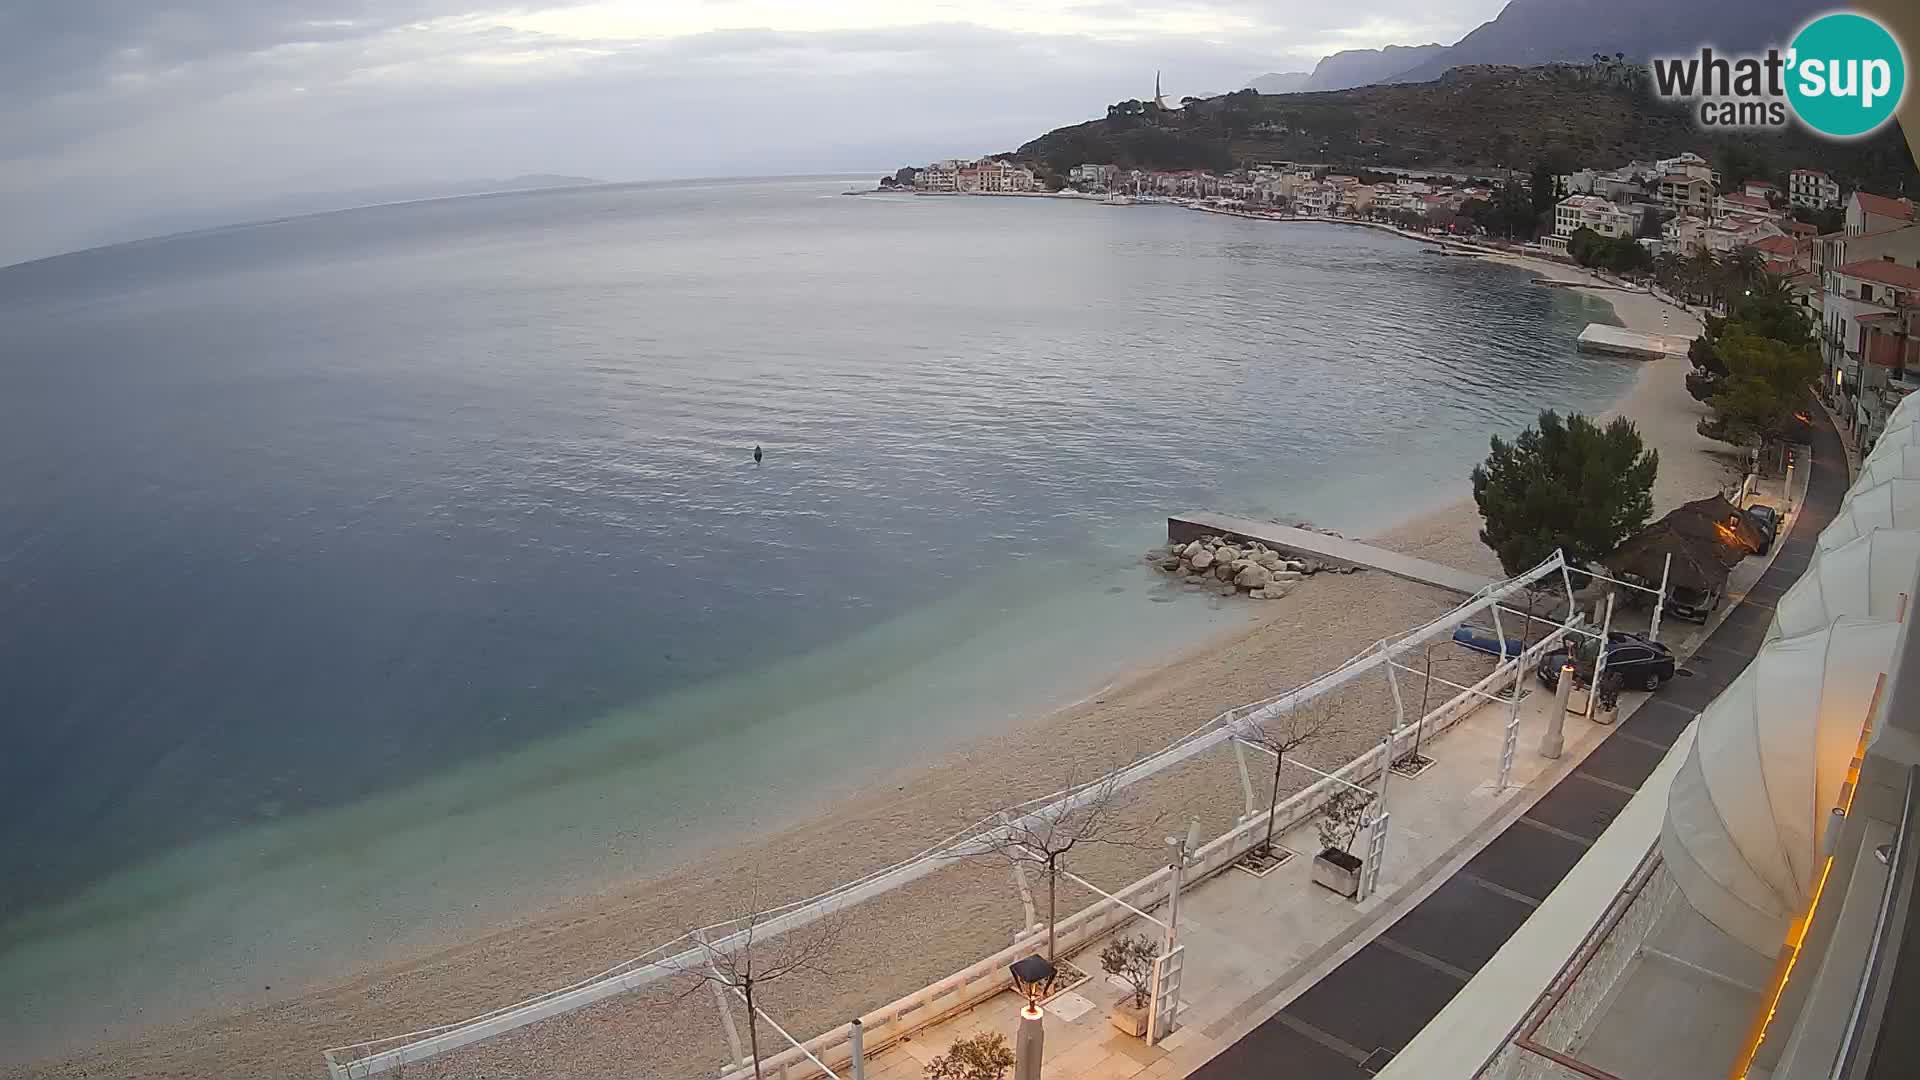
1715,519
1698,562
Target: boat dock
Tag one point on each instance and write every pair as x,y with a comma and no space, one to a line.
1330,550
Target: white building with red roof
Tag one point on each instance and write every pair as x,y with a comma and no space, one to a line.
1865,298
1813,189
1870,213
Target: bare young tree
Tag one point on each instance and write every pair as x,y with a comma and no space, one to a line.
1088,816
748,957
1281,734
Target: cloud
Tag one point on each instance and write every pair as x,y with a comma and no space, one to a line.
112,110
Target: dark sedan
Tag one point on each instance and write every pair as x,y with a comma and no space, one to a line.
1768,518
1640,663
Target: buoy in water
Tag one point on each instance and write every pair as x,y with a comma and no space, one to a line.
756,455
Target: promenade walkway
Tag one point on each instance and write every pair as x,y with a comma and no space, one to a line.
1286,979
1348,1025
1336,550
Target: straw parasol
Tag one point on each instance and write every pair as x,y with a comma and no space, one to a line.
1699,562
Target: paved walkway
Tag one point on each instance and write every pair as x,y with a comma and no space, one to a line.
1350,1023
1323,548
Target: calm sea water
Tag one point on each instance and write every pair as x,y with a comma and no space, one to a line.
373,571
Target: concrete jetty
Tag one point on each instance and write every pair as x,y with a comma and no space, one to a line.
1619,341
1328,550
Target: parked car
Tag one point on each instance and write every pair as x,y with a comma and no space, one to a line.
1640,663
1768,518
1693,605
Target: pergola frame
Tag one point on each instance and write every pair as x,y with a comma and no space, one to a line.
375,1056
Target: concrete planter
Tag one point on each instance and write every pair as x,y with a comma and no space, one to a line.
1339,871
1128,1019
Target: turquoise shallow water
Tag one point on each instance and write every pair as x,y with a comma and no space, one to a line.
365,565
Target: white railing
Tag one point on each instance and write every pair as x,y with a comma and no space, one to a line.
684,954
965,988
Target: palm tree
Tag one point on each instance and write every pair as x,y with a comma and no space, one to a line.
1702,274
1744,267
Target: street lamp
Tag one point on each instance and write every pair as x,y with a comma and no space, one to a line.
1032,977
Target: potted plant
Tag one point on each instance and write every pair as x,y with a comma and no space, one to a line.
985,1056
1336,867
1609,697
1131,958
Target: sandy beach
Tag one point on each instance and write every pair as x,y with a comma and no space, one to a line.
950,918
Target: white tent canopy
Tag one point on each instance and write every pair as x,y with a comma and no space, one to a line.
1748,810
1905,413
1889,461
1891,504
1868,576
1900,433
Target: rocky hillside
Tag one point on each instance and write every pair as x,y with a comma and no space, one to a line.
1364,67
1474,119
1531,32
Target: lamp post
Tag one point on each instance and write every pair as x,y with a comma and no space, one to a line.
1031,977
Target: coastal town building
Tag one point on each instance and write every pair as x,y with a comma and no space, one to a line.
1877,295
1094,177
1812,189
988,175
1689,165
1741,203
1687,194
1578,212
1870,213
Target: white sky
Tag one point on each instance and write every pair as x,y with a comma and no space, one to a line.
119,112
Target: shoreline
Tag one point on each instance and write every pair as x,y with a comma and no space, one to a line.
1136,708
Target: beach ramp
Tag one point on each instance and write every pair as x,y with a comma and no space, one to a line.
1322,548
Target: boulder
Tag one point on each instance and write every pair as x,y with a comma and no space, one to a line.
1287,575
1170,563
1228,553
1223,571
1267,559
1201,559
1252,576
1273,591
1192,549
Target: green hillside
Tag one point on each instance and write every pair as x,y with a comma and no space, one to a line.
1473,119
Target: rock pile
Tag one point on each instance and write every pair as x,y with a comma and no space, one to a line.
1228,567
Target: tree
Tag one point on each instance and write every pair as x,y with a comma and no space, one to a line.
1088,815
1280,735
1766,382
985,1056
749,959
1569,485
1131,959
1544,191
1341,818
1767,308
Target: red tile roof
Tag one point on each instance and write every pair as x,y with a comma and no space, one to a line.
1886,273
1754,201
1801,228
1777,245
1881,206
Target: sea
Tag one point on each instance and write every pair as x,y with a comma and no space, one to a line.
373,573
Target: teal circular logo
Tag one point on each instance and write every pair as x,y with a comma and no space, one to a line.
1846,75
